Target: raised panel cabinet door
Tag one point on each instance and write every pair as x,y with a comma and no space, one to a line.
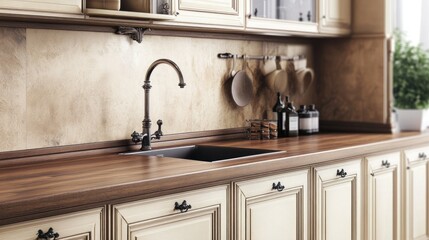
273,207
335,16
200,214
84,225
52,6
337,201
209,13
383,197
417,190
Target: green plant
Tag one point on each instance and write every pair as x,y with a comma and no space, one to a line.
410,75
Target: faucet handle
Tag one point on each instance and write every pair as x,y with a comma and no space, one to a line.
136,137
158,133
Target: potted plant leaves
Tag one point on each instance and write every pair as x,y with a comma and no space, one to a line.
410,84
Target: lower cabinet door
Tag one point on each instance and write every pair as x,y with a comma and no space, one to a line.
337,201
383,197
273,207
417,194
199,215
85,225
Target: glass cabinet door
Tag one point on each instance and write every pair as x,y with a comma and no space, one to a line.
291,10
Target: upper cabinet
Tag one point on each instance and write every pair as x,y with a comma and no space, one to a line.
275,17
335,16
44,6
374,20
216,14
282,15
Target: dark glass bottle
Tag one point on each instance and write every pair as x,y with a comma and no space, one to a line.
314,118
305,121
280,115
291,120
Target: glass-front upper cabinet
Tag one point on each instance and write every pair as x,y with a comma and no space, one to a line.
282,15
292,10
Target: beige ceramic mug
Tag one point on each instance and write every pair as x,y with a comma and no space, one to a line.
304,78
277,80
268,67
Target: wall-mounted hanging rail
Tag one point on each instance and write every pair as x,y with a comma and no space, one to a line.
259,57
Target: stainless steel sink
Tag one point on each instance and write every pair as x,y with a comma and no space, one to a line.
207,153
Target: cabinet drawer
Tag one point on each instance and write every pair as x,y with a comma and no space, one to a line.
84,225
158,218
416,154
273,207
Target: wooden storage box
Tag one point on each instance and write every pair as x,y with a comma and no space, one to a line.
104,4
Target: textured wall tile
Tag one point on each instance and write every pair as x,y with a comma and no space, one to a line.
352,81
12,89
82,87
86,87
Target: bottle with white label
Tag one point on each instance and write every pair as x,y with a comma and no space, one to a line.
291,120
305,121
314,118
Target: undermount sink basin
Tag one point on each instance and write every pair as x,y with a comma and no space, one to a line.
207,153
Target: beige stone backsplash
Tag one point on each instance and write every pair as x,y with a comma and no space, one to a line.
68,87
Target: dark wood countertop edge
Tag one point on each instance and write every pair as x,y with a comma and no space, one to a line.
18,210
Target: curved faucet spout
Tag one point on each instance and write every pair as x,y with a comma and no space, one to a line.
182,83
146,141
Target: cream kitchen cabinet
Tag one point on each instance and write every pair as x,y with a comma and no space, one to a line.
416,202
335,16
218,14
337,203
86,225
200,214
41,7
383,192
274,207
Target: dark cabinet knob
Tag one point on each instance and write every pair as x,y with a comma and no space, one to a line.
341,173
385,163
49,235
184,207
422,156
279,187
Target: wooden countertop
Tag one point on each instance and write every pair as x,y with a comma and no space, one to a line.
45,187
